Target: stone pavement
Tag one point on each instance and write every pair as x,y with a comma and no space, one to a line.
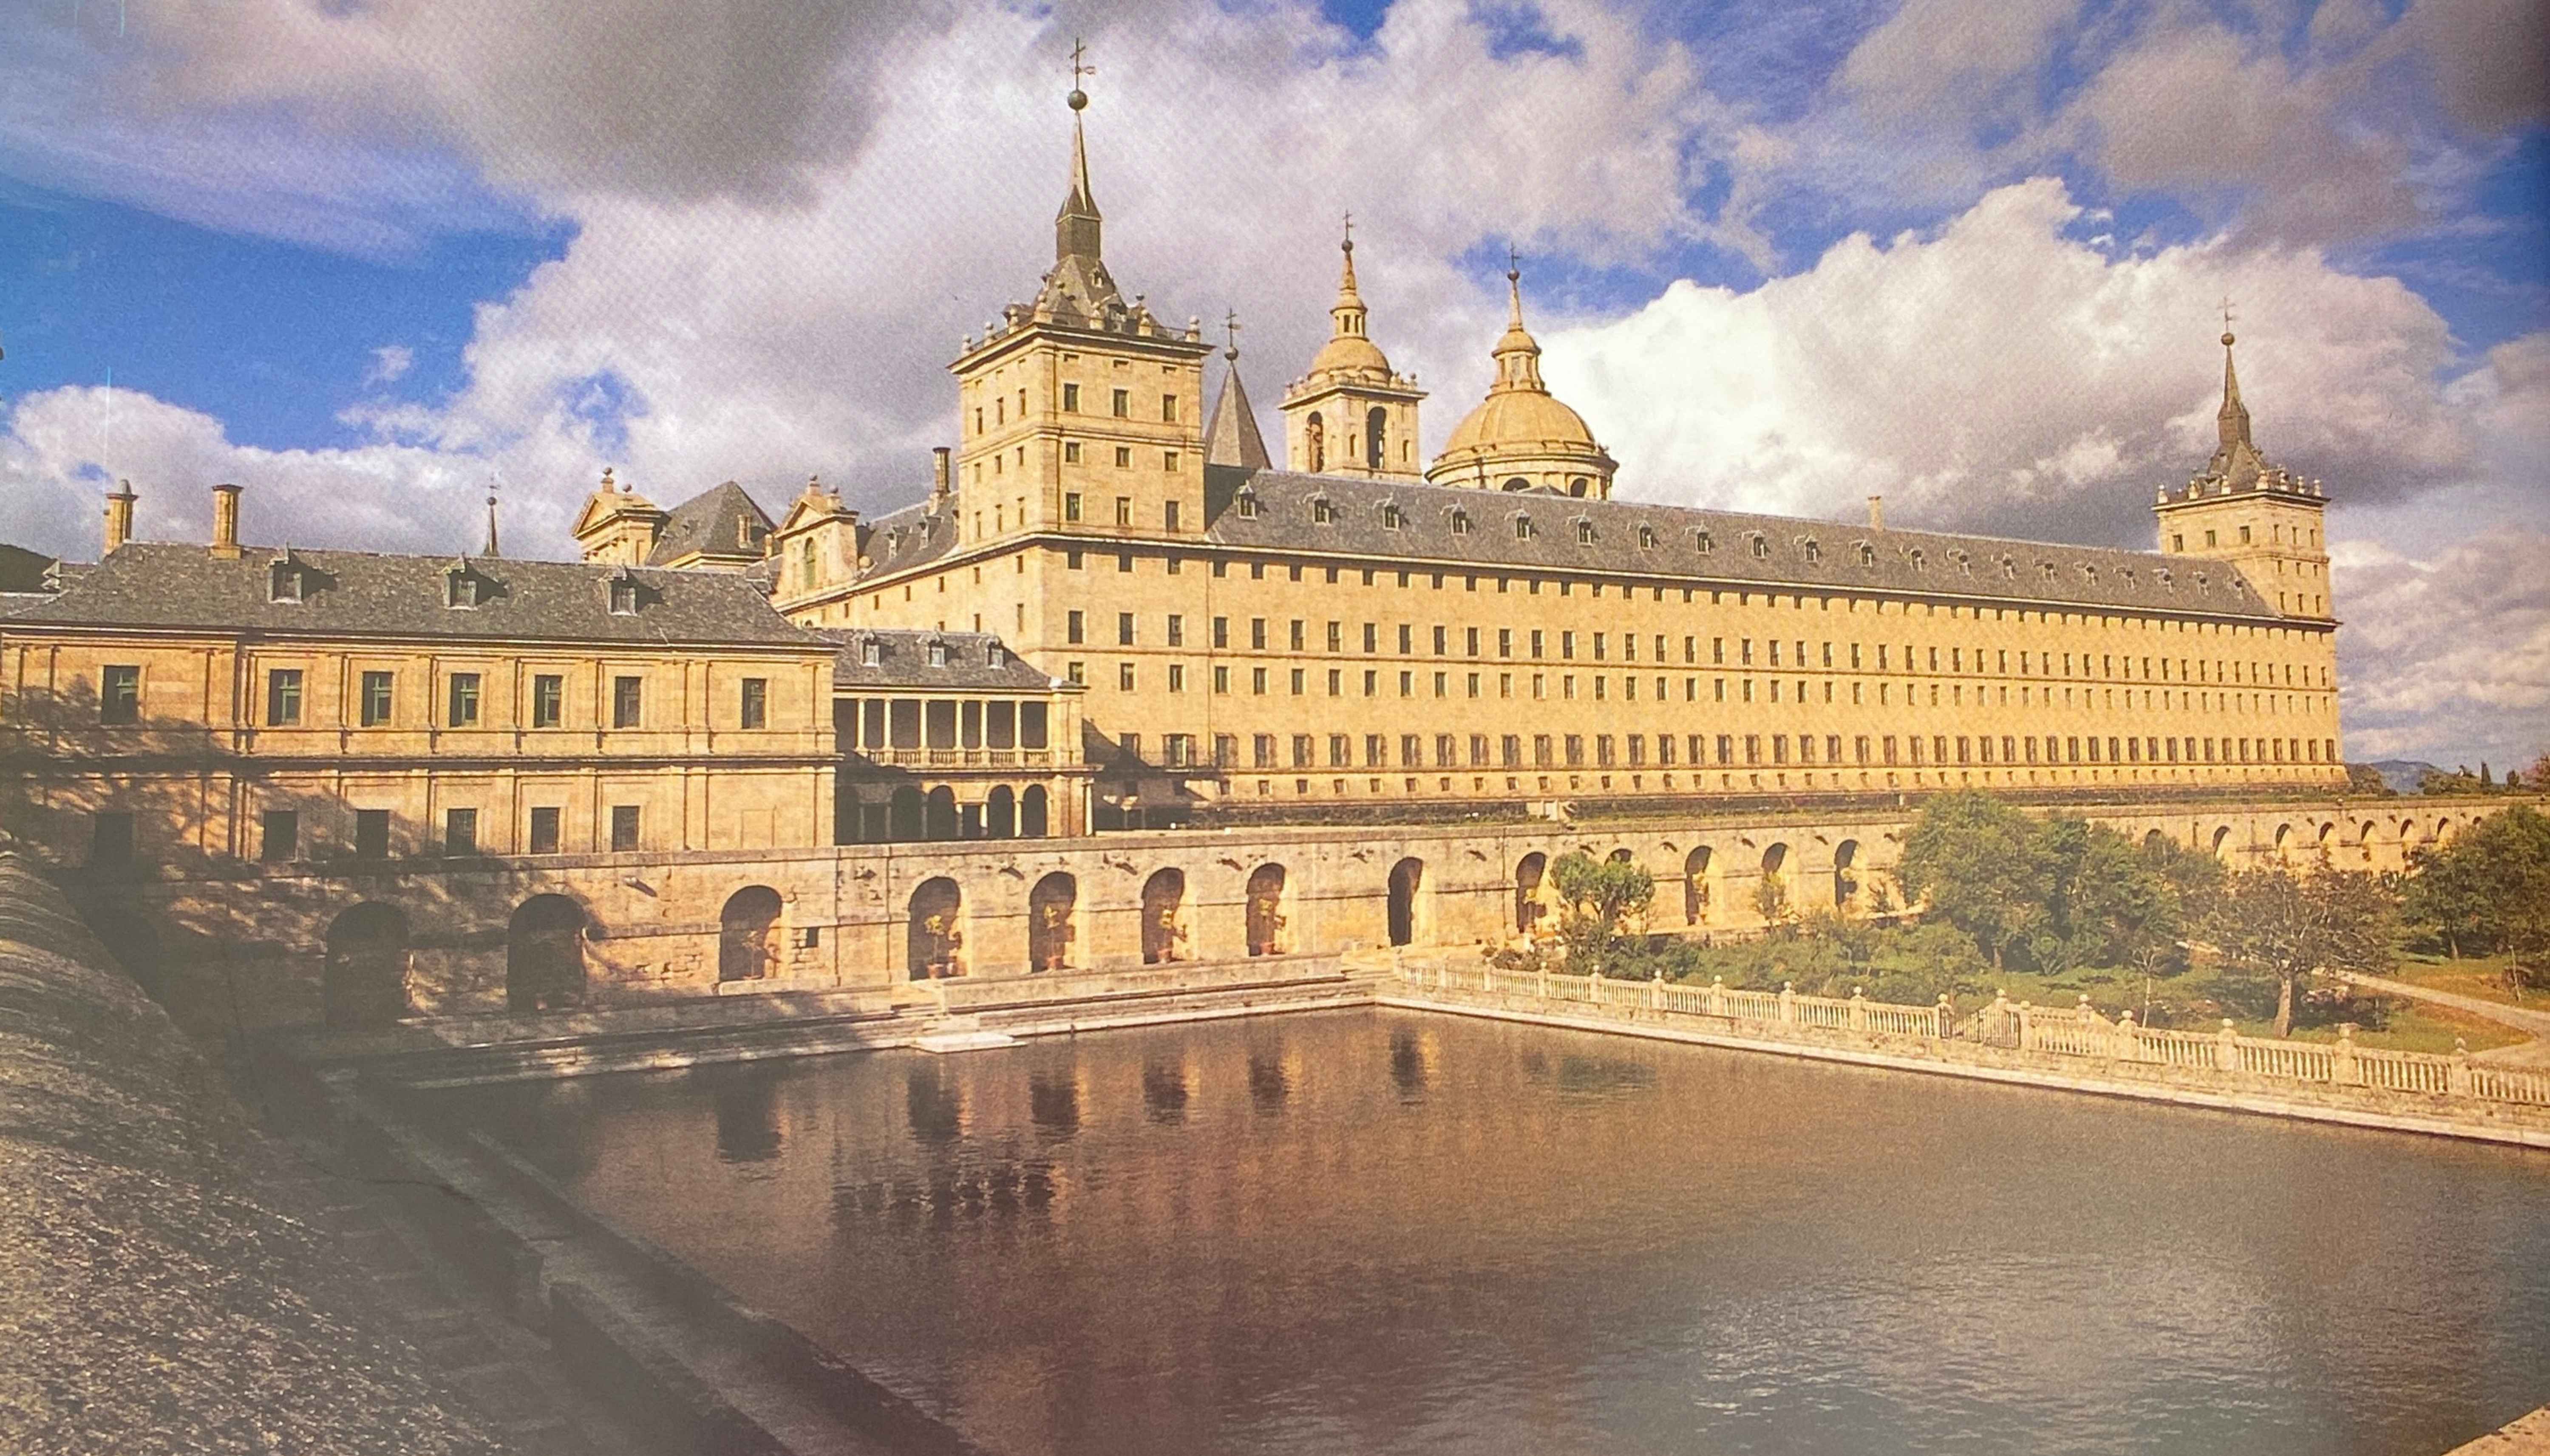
2527,1436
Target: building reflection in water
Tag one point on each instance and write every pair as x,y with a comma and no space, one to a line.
1164,1091
1268,1082
1406,1063
933,1105
1053,1102
746,1100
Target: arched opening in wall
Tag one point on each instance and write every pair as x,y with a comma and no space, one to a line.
1694,886
939,815
1515,482
365,983
1000,814
2443,827
2154,841
1622,857
1530,871
1376,428
1164,917
2222,844
1845,880
1031,813
1771,896
904,814
1314,442
1578,485
1406,878
1266,904
2284,844
545,955
935,937
2365,836
1049,921
2327,841
748,934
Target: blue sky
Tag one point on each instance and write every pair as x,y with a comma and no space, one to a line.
366,259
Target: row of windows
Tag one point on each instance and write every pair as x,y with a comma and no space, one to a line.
280,838
1633,751
1536,641
120,699
939,723
1074,511
1120,404
1076,560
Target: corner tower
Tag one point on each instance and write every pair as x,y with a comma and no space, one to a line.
1351,415
1521,438
1080,412
2245,509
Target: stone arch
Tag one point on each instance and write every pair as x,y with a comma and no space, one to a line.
1000,814
1775,865
2154,841
904,814
1694,886
1314,441
1845,884
1622,855
365,982
934,935
1033,820
940,819
2326,841
1375,431
1164,917
748,934
2222,844
1515,483
1529,873
1266,906
2365,836
545,955
2284,844
1050,925
1406,912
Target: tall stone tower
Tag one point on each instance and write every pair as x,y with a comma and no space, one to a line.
1351,415
1080,412
2244,510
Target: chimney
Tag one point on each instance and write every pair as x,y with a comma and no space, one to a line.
938,478
118,515
226,544
1877,513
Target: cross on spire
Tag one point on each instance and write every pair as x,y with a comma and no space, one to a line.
1231,332
1080,67
1350,232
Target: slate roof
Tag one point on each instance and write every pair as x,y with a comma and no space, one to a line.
903,660
715,523
903,538
2022,573
149,584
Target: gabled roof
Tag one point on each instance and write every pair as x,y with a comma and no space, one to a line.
1650,542
151,584
903,660
724,523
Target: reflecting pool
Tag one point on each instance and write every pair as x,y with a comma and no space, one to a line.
1379,1231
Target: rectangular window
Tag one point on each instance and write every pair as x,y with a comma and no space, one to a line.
110,838
1123,404
1169,509
278,836
1075,628
627,702
1123,503
1071,504
119,695
624,828
375,708
545,830
1299,626
1262,751
1540,750
1341,751
1124,676
1257,633
1509,751
1222,631
1124,629
1071,399
1302,752
282,697
1177,677
461,832
1376,751
548,699
1177,630
464,700
756,708
1168,408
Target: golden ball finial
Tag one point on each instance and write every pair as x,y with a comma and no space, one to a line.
2226,340
1078,100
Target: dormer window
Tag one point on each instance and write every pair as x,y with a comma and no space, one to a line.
1704,541
283,583
1390,516
1814,550
938,654
624,595
995,655
461,590
1867,554
1761,545
1247,505
1584,532
1522,527
1460,521
1915,558
1965,563
1322,512
1646,538
2045,570
871,653
2167,580
2090,573
2009,569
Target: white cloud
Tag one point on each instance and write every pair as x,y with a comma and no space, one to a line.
2446,659
2000,375
390,363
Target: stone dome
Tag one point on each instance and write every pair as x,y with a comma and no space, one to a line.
1518,420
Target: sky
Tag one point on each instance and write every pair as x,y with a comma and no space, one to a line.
373,259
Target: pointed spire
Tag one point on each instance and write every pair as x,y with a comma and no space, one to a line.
2232,421
1077,228
1232,437
1517,354
491,550
1348,312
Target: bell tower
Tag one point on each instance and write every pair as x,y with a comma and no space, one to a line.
2245,509
1080,412
1351,413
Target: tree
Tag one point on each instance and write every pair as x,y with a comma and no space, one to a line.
2275,927
1977,862
1596,899
1770,901
2489,890
2365,779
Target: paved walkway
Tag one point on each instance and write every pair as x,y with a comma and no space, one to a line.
2535,1023
2528,1436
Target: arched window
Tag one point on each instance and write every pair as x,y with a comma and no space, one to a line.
1164,912
1266,916
1314,442
1376,427
747,934
1517,482
935,939
545,955
1049,921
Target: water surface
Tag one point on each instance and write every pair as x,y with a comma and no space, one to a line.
1378,1232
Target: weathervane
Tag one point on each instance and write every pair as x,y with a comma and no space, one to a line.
2227,319
1079,99
1231,331
1350,232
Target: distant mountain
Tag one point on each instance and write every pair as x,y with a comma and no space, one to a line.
2402,774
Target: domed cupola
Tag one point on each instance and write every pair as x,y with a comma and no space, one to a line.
1520,436
1351,413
